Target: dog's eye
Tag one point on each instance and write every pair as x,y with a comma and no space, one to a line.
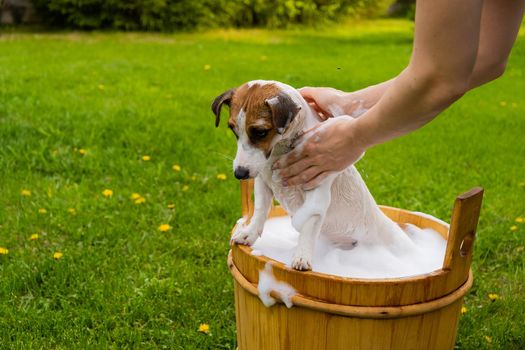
260,133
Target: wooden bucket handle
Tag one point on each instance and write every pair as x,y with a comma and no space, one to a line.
461,235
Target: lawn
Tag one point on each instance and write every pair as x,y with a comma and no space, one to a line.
82,113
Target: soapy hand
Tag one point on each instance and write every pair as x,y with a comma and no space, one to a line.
330,146
324,100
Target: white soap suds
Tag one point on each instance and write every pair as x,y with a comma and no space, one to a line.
279,240
268,283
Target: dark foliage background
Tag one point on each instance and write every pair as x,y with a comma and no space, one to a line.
169,15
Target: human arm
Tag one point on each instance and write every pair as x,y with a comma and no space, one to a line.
433,80
499,26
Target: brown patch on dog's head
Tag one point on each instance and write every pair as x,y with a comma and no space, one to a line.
266,112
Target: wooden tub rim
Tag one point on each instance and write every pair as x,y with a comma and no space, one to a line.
369,312
355,280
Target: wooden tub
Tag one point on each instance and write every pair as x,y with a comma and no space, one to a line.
331,312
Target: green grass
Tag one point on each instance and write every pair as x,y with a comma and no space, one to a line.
123,283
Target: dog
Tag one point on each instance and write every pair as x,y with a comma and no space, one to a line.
266,118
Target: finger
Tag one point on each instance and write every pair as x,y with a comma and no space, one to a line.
307,134
307,92
321,113
302,137
304,177
314,106
313,183
289,158
296,168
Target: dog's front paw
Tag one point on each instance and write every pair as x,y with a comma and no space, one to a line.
301,263
245,234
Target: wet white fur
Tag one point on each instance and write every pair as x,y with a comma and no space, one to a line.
341,208
268,283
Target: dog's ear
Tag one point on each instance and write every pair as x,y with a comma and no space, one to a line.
224,98
283,109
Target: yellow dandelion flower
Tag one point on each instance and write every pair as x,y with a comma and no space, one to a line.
503,103
25,193
488,339
194,178
204,328
171,206
57,255
522,184
164,227
146,158
221,177
176,167
34,237
493,296
463,310
4,251
72,211
82,151
42,211
185,188
514,228
514,105
264,58
135,196
107,193
520,220
101,87
207,67
140,200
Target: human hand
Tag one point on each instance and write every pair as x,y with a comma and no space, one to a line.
330,146
324,100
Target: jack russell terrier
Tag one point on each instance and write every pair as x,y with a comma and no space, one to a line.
266,117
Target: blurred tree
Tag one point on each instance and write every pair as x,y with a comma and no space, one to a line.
167,15
402,8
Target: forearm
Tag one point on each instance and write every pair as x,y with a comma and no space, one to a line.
365,98
412,100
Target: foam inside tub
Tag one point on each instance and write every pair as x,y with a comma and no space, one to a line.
279,240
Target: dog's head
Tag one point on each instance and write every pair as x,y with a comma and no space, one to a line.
260,113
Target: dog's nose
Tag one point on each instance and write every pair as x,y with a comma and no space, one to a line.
241,173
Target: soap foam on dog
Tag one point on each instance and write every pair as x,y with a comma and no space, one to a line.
279,240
